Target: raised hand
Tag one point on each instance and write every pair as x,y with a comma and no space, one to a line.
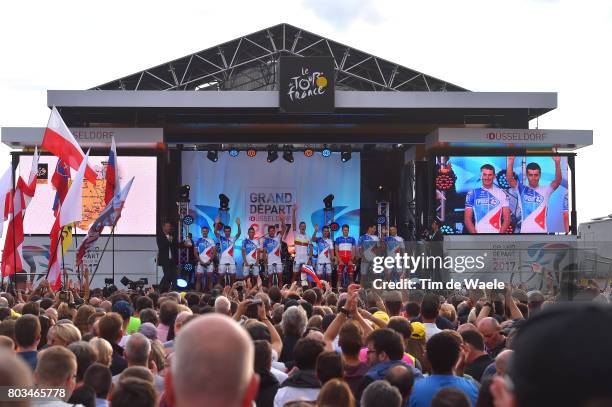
237,221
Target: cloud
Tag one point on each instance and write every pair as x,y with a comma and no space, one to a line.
342,13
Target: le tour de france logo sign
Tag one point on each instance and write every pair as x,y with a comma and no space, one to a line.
306,84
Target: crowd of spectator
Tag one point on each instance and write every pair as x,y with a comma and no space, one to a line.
293,346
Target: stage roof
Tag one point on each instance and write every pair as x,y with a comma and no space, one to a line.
251,63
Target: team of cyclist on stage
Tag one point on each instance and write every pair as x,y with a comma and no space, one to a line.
264,255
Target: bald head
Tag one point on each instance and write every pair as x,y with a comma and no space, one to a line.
213,363
222,305
14,373
490,330
501,361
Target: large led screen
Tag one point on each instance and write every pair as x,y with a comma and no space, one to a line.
499,194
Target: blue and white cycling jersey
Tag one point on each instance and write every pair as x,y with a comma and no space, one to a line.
395,244
272,246
250,247
205,247
487,205
533,203
227,249
325,248
368,244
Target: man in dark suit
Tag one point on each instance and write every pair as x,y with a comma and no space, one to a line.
167,257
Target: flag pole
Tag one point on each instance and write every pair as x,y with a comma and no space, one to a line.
13,220
113,237
102,255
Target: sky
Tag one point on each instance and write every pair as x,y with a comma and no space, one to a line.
489,46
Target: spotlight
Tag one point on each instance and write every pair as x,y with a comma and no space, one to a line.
345,155
251,152
188,220
288,154
309,152
381,220
188,267
502,180
233,152
181,282
334,226
272,154
326,152
183,193
328,201
447,230
223,202
213,156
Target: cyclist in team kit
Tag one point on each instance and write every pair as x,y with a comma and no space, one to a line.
488,205
227,264
204,251
272,251
345,253
369,244
303,250
533,197
325,253
395,245
250,255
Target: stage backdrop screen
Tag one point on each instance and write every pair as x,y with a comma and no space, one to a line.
495,194
259,191
139,212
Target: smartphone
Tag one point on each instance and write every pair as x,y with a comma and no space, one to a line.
256,301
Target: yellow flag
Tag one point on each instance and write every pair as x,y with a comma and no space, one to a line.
66,238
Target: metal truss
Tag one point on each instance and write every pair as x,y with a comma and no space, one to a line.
251,63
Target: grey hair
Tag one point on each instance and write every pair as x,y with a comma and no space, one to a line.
137,349
223,305
381,393
294,321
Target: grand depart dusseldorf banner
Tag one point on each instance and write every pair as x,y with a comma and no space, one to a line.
259,191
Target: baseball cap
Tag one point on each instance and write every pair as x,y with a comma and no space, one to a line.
418,330
381,315
124,309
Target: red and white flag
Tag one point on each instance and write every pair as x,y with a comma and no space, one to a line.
6,184
12,255
59,140
54,273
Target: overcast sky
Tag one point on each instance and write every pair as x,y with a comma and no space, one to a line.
520,45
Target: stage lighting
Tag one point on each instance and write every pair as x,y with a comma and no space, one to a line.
223,202
328,201
447,230
381,220
233,152
334,226
251,152
345,155
126,281
181,283
502,180
188,267
183,193
272,154
326,152
309,152
288,154
188,220
213,156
